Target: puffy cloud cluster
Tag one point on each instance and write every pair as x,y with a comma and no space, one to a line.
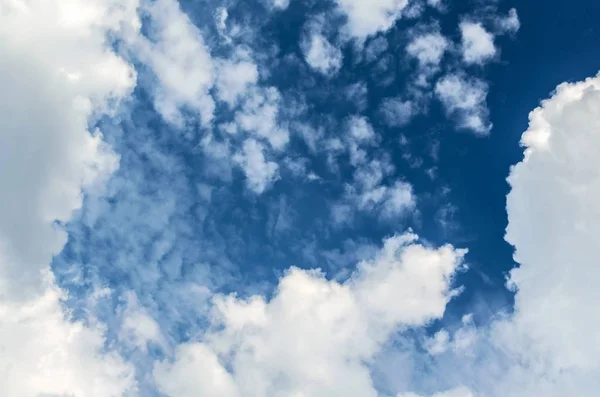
374,189
189,84
314,337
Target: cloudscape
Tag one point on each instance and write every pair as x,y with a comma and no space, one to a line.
299,198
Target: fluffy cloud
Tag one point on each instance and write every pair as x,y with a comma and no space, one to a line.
180,61
553,225
280,4
510,23
259,116
45,354
58,74
260,173
464,99
367,18
320,54
314,336
44,128
369,193
477,43
428,48
235,77
360,136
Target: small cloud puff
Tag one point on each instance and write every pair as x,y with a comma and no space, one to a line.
477,43
464,99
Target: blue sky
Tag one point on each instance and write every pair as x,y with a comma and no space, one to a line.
299,198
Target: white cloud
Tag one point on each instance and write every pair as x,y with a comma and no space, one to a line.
369,192
58,72
399,200
464,98
260,173
180,61
320,54
477,43
259,116
196,371
138,328
437,4
46,354
360,136
280,4
510,23
366,18
553,224
48,155
234,78
396,112
428,48
315,337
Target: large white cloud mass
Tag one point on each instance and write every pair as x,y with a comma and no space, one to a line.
550,345
54,76
552,213
314,337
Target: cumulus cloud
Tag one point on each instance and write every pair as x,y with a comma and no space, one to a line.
314,336
44,353
45,134
235,77
428,48
260,173
320,54
464,99
552,224
58,73
360,136
138,328
368,18
180,61
369,193
280,4
510,23
259,116
477,43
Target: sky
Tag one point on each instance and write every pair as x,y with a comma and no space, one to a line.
299,198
